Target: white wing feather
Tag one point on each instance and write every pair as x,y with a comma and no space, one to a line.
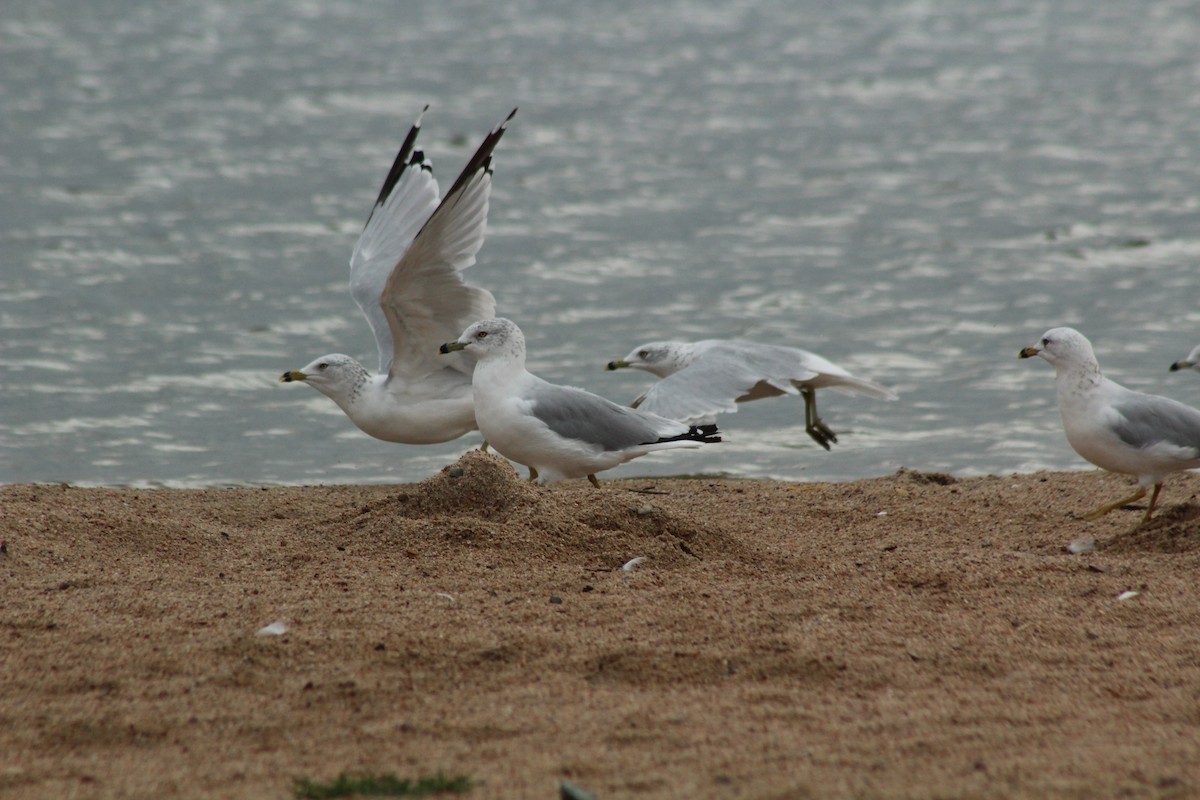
425,300
405,273
408,198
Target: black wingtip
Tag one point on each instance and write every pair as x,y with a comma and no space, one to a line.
480,162
416,126
406,157
706,434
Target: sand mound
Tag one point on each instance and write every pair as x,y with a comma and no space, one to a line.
481,502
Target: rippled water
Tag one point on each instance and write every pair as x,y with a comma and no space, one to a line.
914,190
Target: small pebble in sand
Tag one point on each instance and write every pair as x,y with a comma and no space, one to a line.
1085,544
276,628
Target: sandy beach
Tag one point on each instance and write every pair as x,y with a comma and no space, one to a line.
910,636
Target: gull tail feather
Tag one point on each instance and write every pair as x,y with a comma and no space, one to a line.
702,434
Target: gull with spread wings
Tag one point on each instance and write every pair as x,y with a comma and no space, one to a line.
406,276
703,379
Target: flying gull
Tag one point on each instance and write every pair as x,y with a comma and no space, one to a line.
710,377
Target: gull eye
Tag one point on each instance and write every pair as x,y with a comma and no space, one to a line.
481,335
1045,342
643,354
323,366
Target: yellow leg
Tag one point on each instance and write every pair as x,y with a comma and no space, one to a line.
595,482
1153,500
1102,510
533,476
483,447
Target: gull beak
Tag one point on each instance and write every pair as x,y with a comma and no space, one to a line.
1178,365
450,347
612,365
294,375
1028,352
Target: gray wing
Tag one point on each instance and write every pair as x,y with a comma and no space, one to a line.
575,414
1144,420
723,375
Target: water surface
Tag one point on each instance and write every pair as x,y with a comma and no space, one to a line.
913,190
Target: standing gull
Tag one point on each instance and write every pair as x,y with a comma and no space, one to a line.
557,431
1191,362
1116,428
406,276
703,379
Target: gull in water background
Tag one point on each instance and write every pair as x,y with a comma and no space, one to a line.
1191,362
406,276
557,431
1116,428
710,377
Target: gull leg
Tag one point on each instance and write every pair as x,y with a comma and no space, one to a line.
1102,510
533,476
1153,500
595,482
483,447
821,433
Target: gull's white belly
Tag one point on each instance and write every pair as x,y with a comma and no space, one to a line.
428,422
432,414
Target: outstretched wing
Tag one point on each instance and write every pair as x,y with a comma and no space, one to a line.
407,199
722,374
425,299
725,373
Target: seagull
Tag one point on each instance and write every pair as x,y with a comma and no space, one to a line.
559,432
1115,428
1191,362
706,378
406,276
